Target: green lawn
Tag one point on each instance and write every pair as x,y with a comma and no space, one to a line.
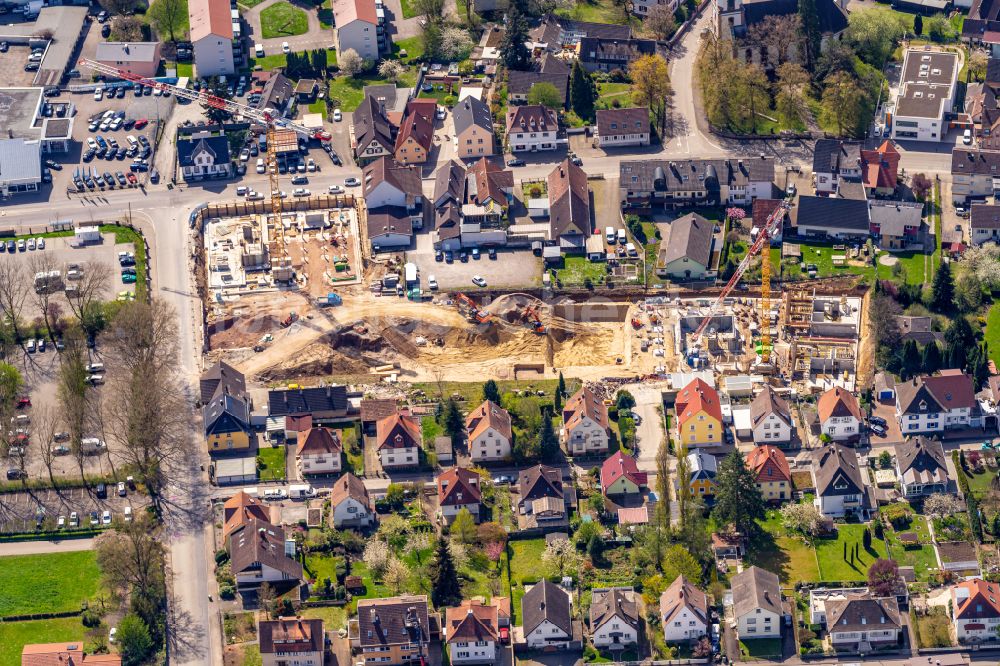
334,617
921,558
414,47
525,564
789,557
51,583
441,95
599,11
993,332
283,20
277,60
319,106
760,648
15,635
353,452
325,15
125,235
576,270
320,566
979,484
185,69
271,463
608,93
830,553
348,91
472,392
820,254
407,7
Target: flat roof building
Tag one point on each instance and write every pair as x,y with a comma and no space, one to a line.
926,94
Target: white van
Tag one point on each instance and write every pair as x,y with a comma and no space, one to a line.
622,239
258,50
95,367
630,248
274,494
609,235
301,491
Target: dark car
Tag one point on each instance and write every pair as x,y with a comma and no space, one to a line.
439,256
53,165
449,256
128,124
106,30
31,67
89,155
102,491
11,246
121,179
4,47
515,163
154,176
878,420
492,252
52,91
13,474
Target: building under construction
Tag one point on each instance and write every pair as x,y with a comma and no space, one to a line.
821,334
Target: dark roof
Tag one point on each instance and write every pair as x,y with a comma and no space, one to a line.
985,216
406,179
614,51
691,237
458,486
546,601
623,121
539,481
349,486
519,83
832,155
978,162
318,441
371,125
226,413
993,71
755,588
555,31
261,542
277,92
373,409
832,18
944,392
532,117
832,213
472,111
222,378
921,454
448,221
837,465
386,220
569,200
768,402
669,175
449,183
858,612
282,402
217,147
615,602
290,634
393,621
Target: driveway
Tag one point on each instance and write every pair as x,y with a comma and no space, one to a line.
316,37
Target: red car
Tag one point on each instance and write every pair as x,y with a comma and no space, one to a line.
142,122
23,401
130,177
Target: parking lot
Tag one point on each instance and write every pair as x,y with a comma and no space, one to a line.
511,268
12,67
21,511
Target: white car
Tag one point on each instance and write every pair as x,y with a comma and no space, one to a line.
478,280
74,519
260,165
41,243
106,517
31,243
337,115
335,189
300,192
352,182
967,137
128,514
98,95
111,634
92,142
132,141
285,48
432,283
61,523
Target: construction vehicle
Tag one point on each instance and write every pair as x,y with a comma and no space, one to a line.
330,300
281,266
470,310
533,320
289,320
763,346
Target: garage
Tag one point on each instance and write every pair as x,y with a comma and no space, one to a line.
235,471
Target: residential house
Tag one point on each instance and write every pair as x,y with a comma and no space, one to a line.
702,470
305,91
834,159
398,440
541,501
414,140
240,509
926,95
831,217
490,438
688,253
921,467
259,553
350,503
585,428
489,187
699,414
984,224
204,157
291,640
658,184
862,623
569,207
385,182
277,99
322,402
918,329
896,224
374,410
227,424
458,488
319,452
212,38
295,425
972,173
770,418
356,28
840,489
391,630
372,135
531,128
880,169
620,476
556,33
473,129
839,414
545,617
64,654
614,618
771,472
598,54
390,229
936,403
138,58
757,604
975,610
733,18
683,612
221,379
472,631
622,127
519,84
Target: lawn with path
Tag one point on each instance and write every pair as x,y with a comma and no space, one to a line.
833,566
609,93
525,556
921,557
271,463
283,20
15,635
598,11
50,583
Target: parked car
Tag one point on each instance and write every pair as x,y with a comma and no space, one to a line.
478,280
352,182
515,163
337,115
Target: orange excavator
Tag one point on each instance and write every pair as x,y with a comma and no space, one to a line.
470,310
533,320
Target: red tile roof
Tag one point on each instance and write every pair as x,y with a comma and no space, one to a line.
346,11
697,396
458,486
210,17
880,166
317,441
398,431
767,457
485,416
620,465
417,127
838,402
983,600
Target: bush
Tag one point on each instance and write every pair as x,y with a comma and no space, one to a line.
221,557
227,591
90,619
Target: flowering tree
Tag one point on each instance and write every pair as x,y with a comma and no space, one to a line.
494,551
377,557
983,261
396,575
561,555
940,505
802,518
736,213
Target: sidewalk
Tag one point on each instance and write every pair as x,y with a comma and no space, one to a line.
44,547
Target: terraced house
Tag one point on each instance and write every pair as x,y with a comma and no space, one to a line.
393,630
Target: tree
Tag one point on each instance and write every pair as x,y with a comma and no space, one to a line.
683,484
910,359
126,29
977,62
779,38
885,460
561,555
546,94
789,98
463,528
595,548
941,505
662,515
377,557
975,520
561,386
491,392
873,33
737,499
548,442
432,10
802,518
755,87
119,7
168,16
513,52
942,289
133,639
624,401
454,424
841,101
812,33
582,92
883,577
983,261
395,495
396,575
660,22
351,63
11,384
445,589
968,293
939,29
455,44
920,184
651,87
930,358
391,70
679,562
918,24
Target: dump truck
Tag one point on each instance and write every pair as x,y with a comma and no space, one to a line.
329,300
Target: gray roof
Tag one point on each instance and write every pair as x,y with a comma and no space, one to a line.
449,183
755,588
832,155
937,67
837,465
670,175
691,237
859,612
20,160
972,161
768,402
546,601
371,125
261,542
985,216
471,111
221,378
383,622
922,459
616,602
127,51
406,179
519,83
387,220
893,217
832,213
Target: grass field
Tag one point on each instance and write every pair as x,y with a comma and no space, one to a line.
472,392
15,635
609,93
319,106
922,559
760,648
790,557
283,20
414,47
51,583
993,332
821,254
597,11
525,564
271,463
349,90
407,7
576,270
830,553
334,617
185,69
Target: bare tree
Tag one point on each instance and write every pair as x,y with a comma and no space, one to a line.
120,7
131,558
71,391
779,37
86,299
42,296
13,294
44,423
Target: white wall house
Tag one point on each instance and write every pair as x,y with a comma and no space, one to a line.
770,418
546,618
531,128
212,37
356,27
351,512
840,488
926,94
757,604
936,403
490,434
683,612
976,610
